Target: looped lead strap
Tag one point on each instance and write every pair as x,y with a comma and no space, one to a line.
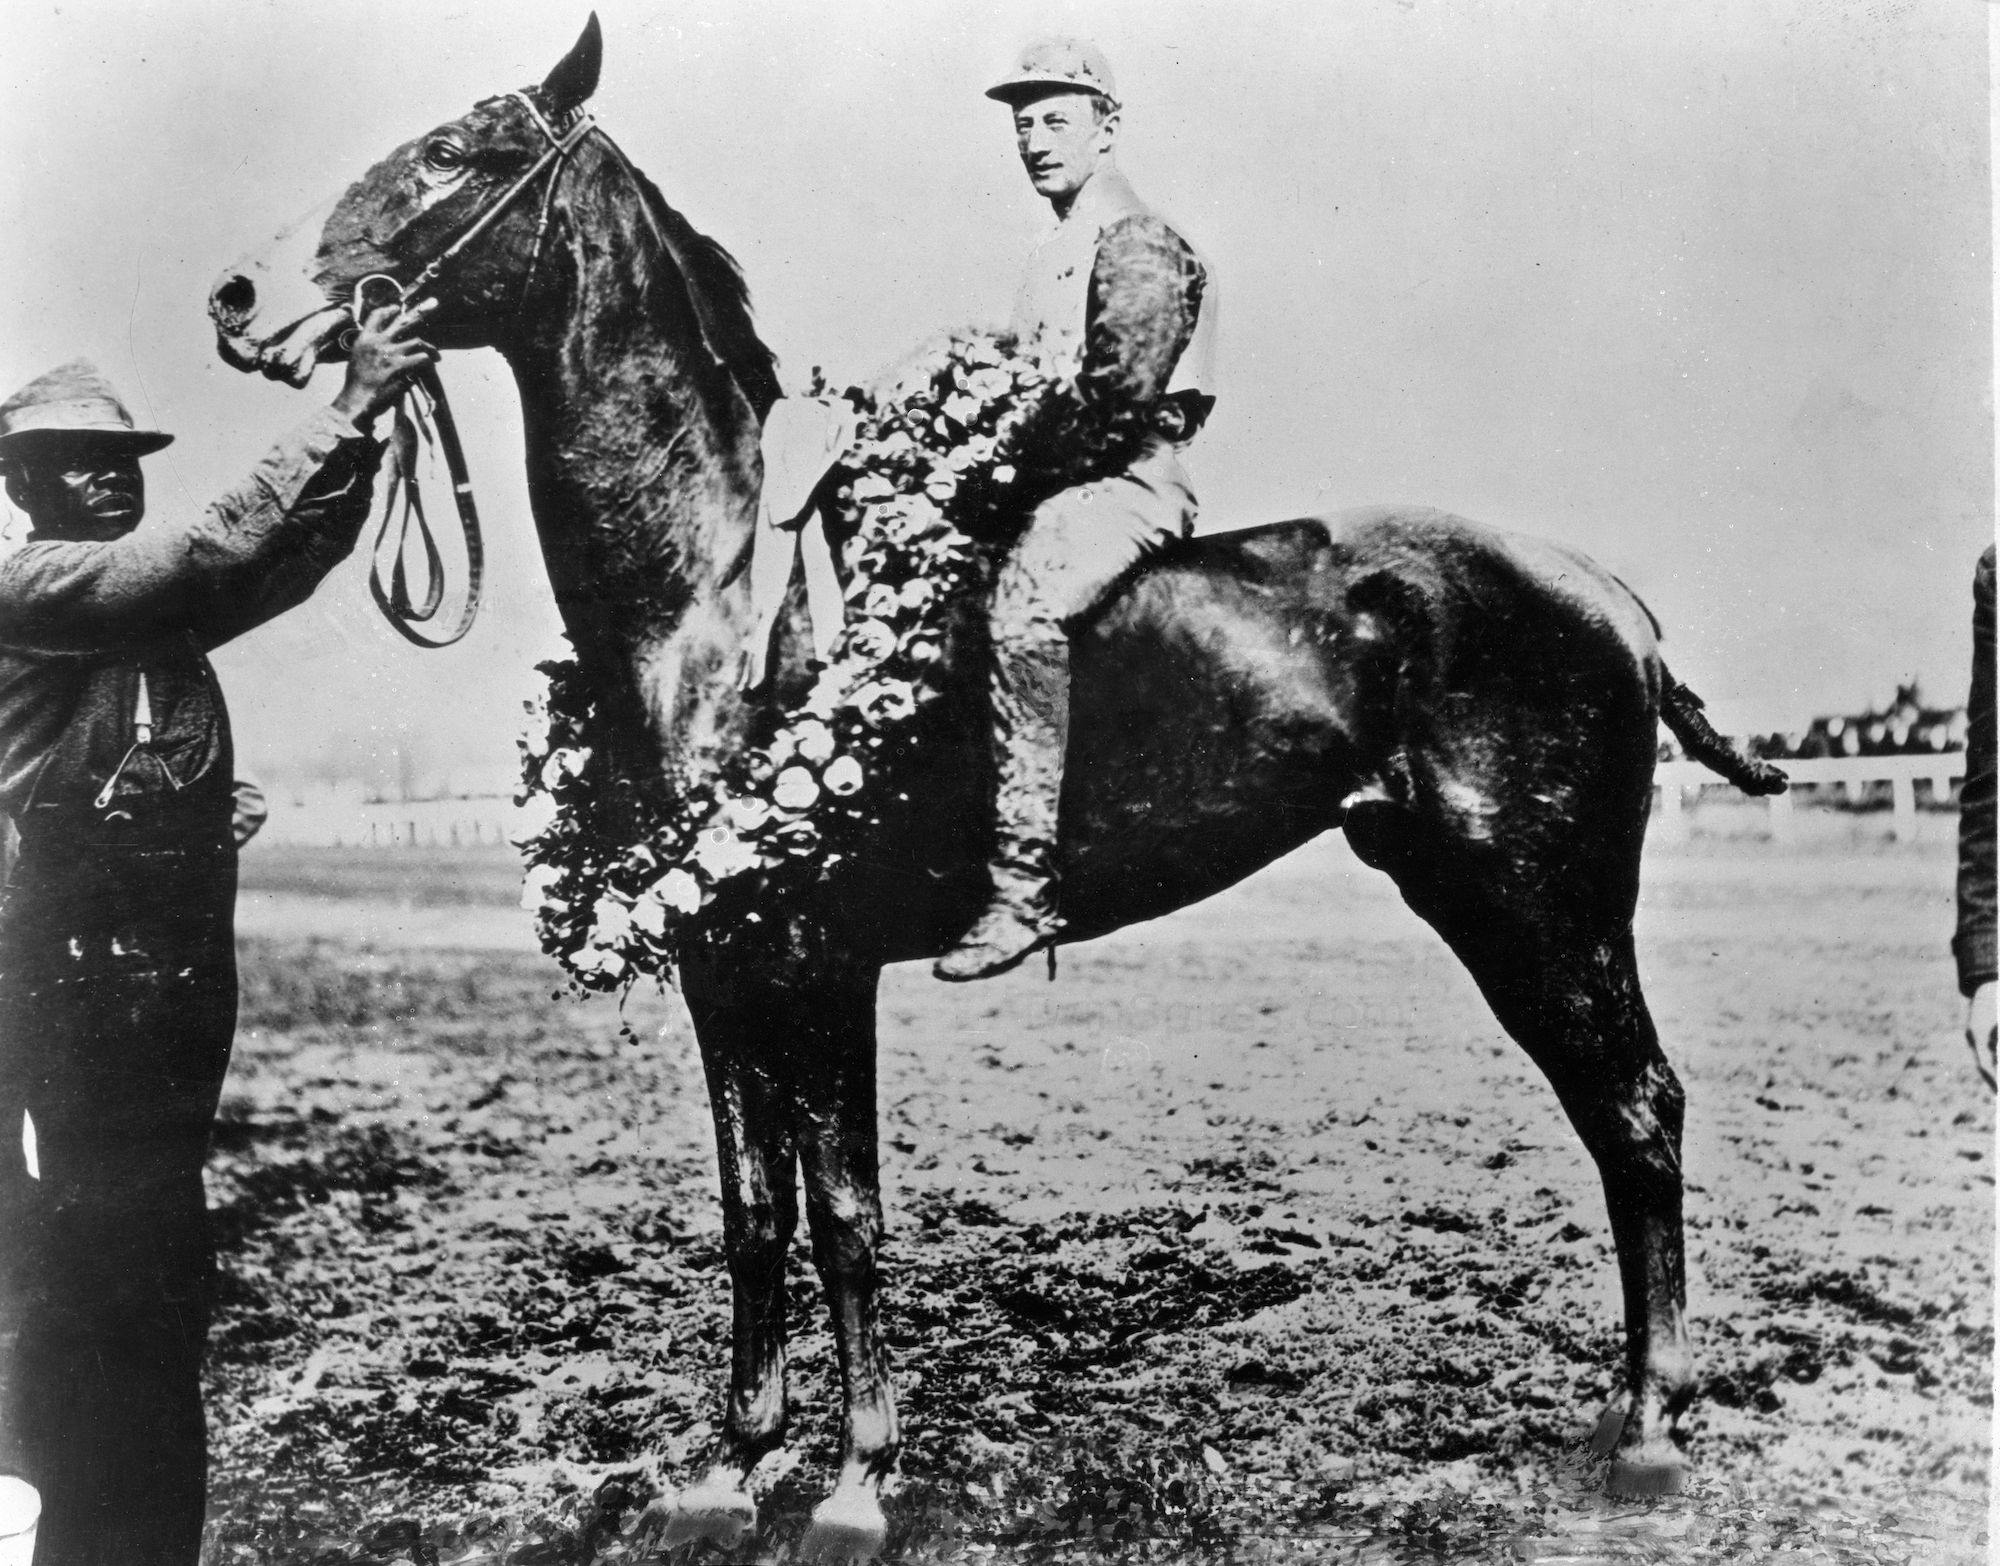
422,416
423,420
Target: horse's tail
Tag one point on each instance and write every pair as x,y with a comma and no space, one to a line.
1682,710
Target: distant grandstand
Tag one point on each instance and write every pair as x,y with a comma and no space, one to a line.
1906,727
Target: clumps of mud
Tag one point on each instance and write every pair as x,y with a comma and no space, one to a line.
473,1303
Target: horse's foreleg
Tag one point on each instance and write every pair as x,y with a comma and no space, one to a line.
741,1035
837,1148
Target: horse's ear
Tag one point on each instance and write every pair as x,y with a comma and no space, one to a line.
569,86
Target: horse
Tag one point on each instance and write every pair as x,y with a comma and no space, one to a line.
1476,709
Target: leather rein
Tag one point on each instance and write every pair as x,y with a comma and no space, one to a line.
423,415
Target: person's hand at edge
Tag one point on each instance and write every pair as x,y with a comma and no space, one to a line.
1979,1031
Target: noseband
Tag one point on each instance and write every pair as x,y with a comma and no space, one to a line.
425,415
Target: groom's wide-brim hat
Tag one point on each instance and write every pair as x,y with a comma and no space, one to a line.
71,405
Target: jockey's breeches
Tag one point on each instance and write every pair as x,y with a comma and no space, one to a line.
1081,542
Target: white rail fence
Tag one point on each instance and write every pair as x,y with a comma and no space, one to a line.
419,823
1676,782
350,822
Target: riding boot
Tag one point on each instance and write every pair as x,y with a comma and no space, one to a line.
1031,731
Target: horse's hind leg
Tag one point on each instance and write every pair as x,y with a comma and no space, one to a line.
1573,1002
741,1032
1556,963
837,1147
1585,1022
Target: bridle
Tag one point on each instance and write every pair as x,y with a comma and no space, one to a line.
423,414
563,138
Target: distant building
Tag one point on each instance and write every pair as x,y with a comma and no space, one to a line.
1905,727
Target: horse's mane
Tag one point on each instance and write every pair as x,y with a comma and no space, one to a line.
720,298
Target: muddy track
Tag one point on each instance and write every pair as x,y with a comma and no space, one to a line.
1252,1233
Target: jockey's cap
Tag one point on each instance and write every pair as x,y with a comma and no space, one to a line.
71,402
1058,64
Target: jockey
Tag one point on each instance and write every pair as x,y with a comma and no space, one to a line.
1121,302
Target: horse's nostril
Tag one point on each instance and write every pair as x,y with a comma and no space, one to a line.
234,297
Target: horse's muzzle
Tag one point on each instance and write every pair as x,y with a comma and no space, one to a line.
232,302
289,355
271,313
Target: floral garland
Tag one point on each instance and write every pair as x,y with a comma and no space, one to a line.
932,468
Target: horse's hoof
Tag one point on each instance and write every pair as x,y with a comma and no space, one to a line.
1639,1474
717,1512
848,1525
1610,1426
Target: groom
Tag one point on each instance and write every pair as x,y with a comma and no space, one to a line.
117,945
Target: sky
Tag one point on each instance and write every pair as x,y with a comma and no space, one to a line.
1702,287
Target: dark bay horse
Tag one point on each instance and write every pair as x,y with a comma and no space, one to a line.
1476,709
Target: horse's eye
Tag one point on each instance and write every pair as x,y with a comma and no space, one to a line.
447,157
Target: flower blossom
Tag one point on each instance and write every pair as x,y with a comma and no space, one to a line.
720,853
871,641
885,702
649,914
538,886
679,891
610,922
797,837
598,962
535,736
815,741
562,764
795,789
744,814
843,776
